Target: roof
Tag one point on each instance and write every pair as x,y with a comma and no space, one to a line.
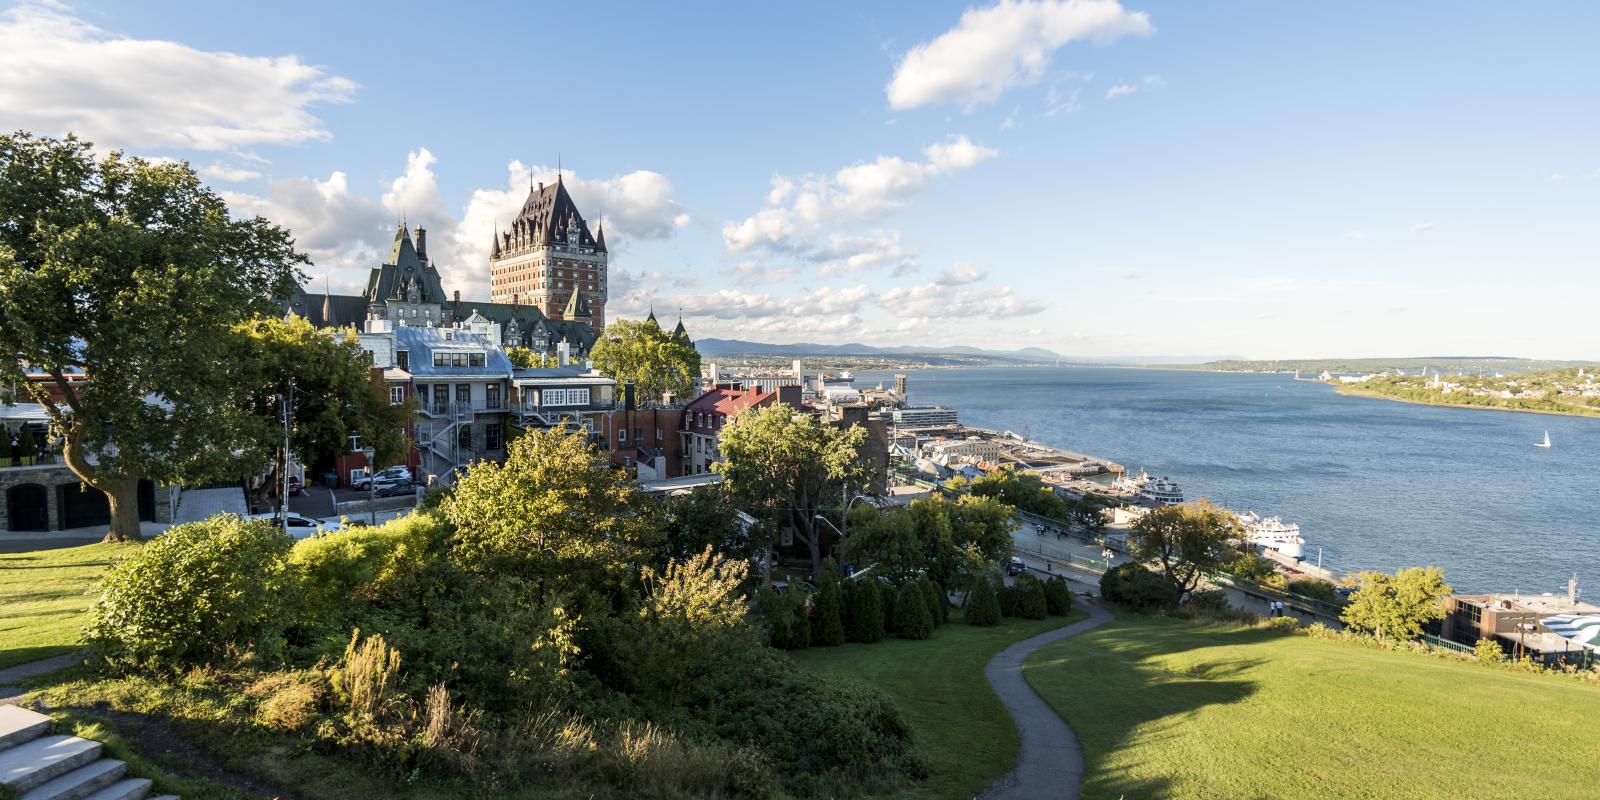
404,267
545,217
1581,629
577,305
329,310
421,342
729,401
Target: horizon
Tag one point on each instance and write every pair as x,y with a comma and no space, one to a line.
1101,180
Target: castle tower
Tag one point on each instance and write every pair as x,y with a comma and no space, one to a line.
548,257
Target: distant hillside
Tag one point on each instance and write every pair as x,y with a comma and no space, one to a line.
1445,364
951,354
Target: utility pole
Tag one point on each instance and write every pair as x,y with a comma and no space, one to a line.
283,483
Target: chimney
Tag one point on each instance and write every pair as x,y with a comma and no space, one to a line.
541,186
628,395
458,297
563,354
422,243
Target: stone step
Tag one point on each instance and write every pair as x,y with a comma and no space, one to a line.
130,789
28,765
18,725
81,782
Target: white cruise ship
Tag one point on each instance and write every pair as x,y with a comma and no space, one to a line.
1161,491
1272,532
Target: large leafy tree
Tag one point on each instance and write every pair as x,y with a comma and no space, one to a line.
131,273
790,467
652,359
934,537
1188,542
1396,605
555,514
336,391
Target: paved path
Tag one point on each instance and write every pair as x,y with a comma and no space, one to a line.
17,672
1049,763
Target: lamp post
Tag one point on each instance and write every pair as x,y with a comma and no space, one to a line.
844,522
372,511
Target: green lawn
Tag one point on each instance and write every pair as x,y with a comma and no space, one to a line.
1181,710
938,685
45,596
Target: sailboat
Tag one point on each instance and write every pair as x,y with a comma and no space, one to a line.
1546,443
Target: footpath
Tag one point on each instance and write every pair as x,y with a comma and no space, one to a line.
1049,761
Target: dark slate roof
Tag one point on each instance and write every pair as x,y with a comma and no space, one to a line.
600,237
328,310
404,265
531,324
546,215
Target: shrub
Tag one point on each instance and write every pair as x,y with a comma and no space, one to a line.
787,626
815,731
983,605
1313,588
194,595
827,614
1136,587
364,682
934,597
1489,651
1010,600
911,618
286,701
886,594
1208,600
864,607
1058,596
1031,600
362,563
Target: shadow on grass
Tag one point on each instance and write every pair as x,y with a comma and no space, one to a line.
1108,683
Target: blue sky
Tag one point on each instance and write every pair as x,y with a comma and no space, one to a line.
1264,180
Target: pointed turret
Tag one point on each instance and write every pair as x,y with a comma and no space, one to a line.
680,333
494,251
577,306
600,237
652,318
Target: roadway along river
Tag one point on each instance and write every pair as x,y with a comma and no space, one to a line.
1377,484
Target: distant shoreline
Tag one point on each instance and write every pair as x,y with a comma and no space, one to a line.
1353,391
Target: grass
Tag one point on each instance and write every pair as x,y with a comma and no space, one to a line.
1174,709
938,684
46,595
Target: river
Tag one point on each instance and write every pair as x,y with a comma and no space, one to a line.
1375,484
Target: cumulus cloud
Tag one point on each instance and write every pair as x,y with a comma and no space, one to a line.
751,273
960,274
1424,227
935,300
1356,235
343,229
1008,44
798,207
843,254
227,174
64,74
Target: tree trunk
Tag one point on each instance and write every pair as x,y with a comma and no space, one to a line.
122,492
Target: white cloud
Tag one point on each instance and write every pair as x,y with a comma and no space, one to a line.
798,207
1555,178
1424,227
843,254
1010,121
1150,83
1356,235
750,273
960,274
1008,44
939,301
1058,102
343,230
64,74
228,174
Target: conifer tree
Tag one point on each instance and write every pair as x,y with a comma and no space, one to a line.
864,602
911,620
983,605
1058,596
827,614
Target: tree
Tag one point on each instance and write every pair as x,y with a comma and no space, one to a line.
911,618
863,611
336,392
555,513
790,466
1489,651
705,518
1396,605
1058,596
650,358
983,604
1188,542
132,274
523,358
5,446
1135,586
931,537
1031,600
827,614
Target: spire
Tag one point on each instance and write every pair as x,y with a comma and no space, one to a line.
600,236
494,252
652,318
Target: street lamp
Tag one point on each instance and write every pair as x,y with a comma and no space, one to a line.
844,522
372,511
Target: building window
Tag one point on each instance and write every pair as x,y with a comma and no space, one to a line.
566,397
491,437
622,436
638,435
464,394
355,442
441,398
403,359
491,397
397,395
464,437
452,359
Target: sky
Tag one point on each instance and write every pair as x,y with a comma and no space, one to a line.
1100,179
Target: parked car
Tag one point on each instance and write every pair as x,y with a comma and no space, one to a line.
1016,567
381,478
295,489
300,526
395,489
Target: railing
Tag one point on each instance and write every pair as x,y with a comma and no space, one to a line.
44,459
1445,644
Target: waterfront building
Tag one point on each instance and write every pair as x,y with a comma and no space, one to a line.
925,417
1547,627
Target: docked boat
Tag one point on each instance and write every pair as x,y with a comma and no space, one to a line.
1273,532
1131,484
1162,492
